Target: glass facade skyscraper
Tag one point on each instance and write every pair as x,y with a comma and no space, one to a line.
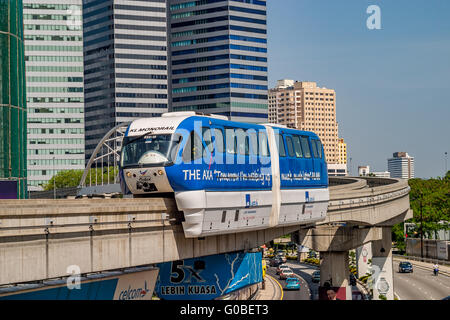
144,58
219,58
13,112
54,62
125,53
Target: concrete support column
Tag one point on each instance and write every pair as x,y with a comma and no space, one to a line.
382,274
363,256
334,276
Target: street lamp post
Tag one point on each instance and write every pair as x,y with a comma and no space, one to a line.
421,227
54,180
445,173
420,198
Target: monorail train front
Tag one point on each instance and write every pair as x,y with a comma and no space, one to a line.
148,148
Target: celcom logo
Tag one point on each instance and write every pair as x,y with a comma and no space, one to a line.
132,294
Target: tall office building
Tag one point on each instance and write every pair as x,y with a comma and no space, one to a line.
305,106
54,63
125,56
401,165
13,111
219,58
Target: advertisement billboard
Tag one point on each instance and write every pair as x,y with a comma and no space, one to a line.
115,286
208,278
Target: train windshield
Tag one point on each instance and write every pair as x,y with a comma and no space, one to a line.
149,150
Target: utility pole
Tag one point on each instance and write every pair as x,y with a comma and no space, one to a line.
350,173
421,226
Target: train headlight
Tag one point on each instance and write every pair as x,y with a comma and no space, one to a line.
129,174
160,172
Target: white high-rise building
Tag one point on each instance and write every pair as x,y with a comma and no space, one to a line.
401,166
54,69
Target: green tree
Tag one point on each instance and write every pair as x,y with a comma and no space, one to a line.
431,198
64,179
398,236
72,178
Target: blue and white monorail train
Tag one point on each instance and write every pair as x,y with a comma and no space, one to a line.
226,176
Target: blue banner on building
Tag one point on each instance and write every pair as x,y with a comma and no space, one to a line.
8,189
207,278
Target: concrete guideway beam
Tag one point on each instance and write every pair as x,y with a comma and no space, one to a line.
49,255
383,205
337,238
39,239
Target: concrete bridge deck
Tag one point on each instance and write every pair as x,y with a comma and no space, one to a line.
39,239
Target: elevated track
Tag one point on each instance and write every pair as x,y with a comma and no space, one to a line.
40,238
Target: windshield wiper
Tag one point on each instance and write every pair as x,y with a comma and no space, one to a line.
137,138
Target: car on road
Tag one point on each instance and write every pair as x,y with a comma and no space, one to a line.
286,273
275,262
405,266
316,276
282,257
446,298
292,284
281,267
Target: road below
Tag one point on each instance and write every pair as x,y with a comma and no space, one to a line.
302,294
309,290
420,285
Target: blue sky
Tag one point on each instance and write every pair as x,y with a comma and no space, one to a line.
392,85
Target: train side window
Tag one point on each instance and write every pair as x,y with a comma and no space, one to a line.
242,142
218,139
314,148
305,147
193,148
247,145
175,146
231,141
253,141
319,148
207,137
280,145
263,144
290,147
297,146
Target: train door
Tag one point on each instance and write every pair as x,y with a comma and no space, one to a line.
284,160
317,163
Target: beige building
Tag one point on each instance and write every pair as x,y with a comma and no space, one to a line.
305,106
342,147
